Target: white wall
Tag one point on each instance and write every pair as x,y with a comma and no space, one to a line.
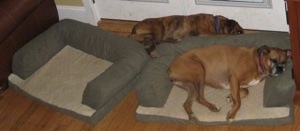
273,19
81,13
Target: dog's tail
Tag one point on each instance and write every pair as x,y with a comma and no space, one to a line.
133,32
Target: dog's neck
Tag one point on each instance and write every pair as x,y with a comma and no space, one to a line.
217,26
261,66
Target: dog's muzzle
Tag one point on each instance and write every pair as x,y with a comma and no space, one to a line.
277,69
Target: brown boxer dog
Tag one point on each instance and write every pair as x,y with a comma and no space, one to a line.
225,67
171,29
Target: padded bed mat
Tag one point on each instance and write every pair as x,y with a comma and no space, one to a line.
62,86
252,111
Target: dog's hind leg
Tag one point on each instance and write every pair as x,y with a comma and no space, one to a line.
190,88
150,43
200,91
188,104
201,99
200,82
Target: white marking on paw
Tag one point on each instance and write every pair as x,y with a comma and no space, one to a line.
230,120
228,99
193,115
218,108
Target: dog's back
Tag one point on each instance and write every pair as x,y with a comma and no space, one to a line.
215,62
168,28
172,29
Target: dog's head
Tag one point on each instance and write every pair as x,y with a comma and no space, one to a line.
272,60
229,26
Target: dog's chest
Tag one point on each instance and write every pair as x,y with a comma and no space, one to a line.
249,84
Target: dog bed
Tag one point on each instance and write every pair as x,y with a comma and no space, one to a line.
269,103
78,69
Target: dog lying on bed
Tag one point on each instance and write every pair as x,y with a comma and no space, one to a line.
225,67
171,29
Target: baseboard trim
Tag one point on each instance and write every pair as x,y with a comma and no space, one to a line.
76,13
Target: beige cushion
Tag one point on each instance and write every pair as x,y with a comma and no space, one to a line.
62,80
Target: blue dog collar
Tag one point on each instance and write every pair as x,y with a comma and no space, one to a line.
217,28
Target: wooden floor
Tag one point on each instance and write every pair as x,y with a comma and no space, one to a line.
20,113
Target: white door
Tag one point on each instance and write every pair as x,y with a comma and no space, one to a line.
271,18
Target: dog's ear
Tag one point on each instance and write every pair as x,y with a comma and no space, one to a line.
230,24
233,27
263,49
288,53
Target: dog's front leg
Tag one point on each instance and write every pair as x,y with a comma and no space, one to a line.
243,93
235,95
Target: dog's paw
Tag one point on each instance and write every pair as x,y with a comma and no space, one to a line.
215,108
230,120
229,99
177,41
230,116
154,54
193,118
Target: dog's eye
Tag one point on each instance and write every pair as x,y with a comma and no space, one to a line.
274,61
284,62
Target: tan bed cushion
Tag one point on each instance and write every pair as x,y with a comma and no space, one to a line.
60,82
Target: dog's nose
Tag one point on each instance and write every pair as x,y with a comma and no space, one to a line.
279,69
240,32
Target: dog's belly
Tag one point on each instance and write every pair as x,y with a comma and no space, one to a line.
249,84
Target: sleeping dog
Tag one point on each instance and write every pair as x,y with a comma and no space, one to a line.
171,29
225,67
